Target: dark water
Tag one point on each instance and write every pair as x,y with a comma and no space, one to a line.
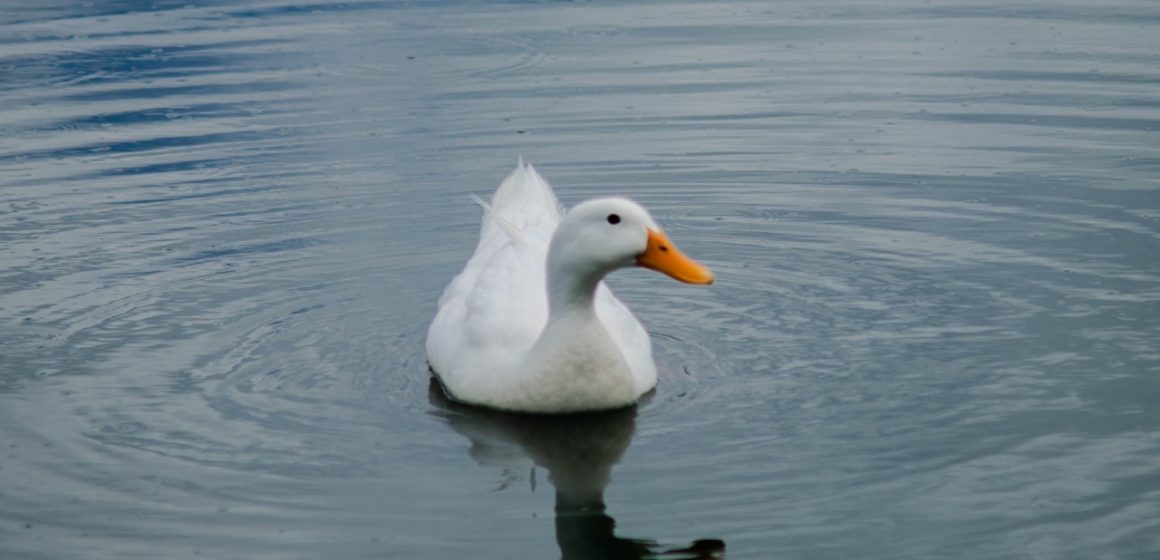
936,230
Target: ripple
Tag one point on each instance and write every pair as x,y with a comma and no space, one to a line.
528,55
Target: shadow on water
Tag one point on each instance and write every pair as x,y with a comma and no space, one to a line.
578,451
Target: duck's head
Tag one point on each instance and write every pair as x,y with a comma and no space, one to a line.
605,234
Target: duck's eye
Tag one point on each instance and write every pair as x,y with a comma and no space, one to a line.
613,219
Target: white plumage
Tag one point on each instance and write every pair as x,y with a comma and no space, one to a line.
528,325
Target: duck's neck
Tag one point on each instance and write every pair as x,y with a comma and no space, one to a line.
572,292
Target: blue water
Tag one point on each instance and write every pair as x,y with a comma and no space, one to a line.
935,227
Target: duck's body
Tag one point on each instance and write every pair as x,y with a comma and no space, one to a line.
528,325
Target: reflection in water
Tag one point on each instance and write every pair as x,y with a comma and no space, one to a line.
578,451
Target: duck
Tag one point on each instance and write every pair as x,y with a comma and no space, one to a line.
529,325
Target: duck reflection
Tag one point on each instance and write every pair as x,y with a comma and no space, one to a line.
578,451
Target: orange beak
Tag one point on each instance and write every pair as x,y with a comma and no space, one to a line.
662,256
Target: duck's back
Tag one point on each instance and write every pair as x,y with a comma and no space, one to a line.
493,311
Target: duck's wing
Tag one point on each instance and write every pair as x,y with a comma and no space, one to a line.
493,311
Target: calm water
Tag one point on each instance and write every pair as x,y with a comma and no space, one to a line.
936,229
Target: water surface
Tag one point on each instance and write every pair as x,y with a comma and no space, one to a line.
935,226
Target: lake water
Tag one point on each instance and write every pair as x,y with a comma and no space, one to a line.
935,227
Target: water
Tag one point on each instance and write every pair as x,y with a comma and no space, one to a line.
224,225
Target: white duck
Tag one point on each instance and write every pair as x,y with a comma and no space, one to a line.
529,326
